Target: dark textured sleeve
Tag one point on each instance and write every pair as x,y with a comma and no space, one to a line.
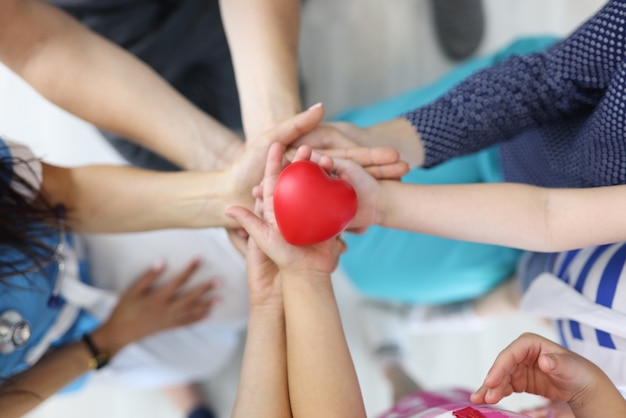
493,105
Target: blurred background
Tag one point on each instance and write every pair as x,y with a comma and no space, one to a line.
353,52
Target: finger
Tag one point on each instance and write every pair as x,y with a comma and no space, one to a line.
196,294
326,137
392,171
365,156
258,208
239,239
294,127
324,161
357,231
302,153
249,221
565,368
257,191
273,168
198,312
147,280
172,287
516,353
478,397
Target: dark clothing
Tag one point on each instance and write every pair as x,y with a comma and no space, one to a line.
182,40
561,111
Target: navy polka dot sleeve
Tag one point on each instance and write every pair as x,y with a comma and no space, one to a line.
559,110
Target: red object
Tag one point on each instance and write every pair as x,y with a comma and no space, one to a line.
468,412
311,206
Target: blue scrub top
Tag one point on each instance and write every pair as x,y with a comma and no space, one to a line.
28,294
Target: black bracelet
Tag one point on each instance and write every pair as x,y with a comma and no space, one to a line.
99,359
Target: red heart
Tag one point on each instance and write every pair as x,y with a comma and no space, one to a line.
311,206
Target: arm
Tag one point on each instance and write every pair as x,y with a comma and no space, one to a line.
263,38
500,102
514,215
322,379
127,199
523,92
536,365
263,389
141,311
101,83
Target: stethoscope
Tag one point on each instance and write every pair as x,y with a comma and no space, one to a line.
15,331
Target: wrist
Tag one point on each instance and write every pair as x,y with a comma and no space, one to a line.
107,341
274,310
277,110
213,147
382,207
203,199
400,134
305,275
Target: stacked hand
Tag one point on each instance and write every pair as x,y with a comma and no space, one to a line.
247,171
268,253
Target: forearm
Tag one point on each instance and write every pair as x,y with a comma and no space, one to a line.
263,38
400,135
126,199
101,83
263,389
27,390
600,398
514,215
322,378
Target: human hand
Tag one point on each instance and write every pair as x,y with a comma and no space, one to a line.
311,260
350,142
397,133
536,365
247,171
367,188
144,309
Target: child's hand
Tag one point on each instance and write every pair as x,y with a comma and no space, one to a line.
539,366
145,310
367,188
322,258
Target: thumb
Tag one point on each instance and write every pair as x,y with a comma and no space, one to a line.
295,127
564,368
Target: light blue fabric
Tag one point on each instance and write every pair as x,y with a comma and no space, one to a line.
415,268
28,294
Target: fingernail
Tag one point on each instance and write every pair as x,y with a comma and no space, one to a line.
316,105
157,265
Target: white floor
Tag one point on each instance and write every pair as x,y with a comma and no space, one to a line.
353,52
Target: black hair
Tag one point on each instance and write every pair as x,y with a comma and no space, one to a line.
24,222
